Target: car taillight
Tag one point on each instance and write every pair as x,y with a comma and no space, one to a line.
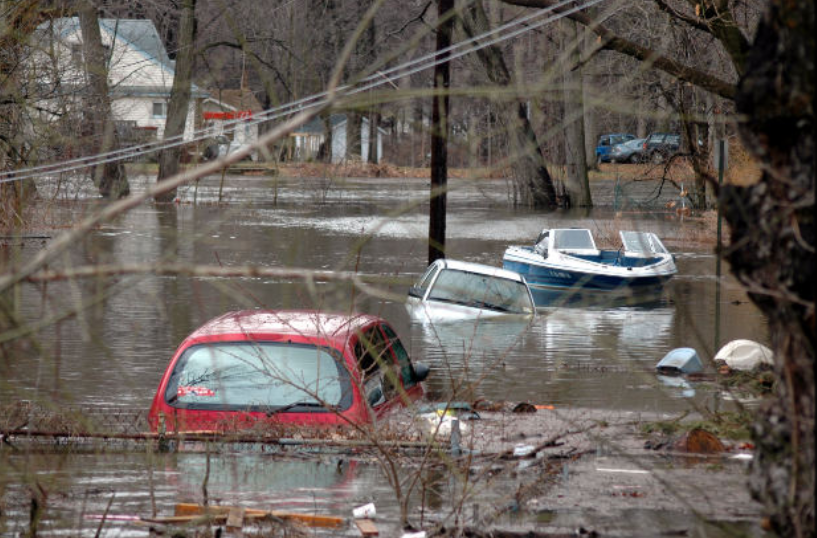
644,145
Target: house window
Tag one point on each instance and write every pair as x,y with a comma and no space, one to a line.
159,109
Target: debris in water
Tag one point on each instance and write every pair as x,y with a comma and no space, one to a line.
524,407
698,441
367,511
745,355
367,527
682,360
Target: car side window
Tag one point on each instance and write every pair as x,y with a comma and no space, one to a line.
425,281
403,360
376,364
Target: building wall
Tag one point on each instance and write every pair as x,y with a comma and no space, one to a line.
140,110
136,81
339,142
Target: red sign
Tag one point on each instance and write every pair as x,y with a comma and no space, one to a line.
238,115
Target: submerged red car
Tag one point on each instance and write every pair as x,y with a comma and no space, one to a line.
285,367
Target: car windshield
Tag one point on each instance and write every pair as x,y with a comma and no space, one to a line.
257,376
574,240
481,291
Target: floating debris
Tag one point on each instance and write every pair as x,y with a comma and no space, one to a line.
745,355
682,360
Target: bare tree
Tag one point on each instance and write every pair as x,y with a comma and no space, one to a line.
169,158
534,182
17,21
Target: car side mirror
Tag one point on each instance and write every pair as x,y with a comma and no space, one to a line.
375,396
416,291
421,372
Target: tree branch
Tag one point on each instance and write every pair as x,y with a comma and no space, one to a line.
611,41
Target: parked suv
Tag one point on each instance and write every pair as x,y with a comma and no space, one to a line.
606,143
658,147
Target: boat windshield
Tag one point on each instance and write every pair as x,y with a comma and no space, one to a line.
574,240
482,291
642,243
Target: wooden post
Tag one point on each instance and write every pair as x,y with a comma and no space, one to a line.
439,136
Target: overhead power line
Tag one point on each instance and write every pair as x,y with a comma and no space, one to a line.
489,38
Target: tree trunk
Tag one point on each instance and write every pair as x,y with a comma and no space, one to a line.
439,136
110,178
534,181
374,123
773,253
577,184
698,156
716,130
325,152
177,108
354,123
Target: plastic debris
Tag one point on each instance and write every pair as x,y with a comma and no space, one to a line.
463,410
521,451
442,423
745,355
367,511
418,534
682,360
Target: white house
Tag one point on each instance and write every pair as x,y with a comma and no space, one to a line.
140,73
231,113
310,136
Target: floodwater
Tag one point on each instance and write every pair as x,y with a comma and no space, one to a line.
105,344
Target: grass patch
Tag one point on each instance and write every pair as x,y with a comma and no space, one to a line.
735,426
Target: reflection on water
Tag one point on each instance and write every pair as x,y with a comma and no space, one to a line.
95,342
110,340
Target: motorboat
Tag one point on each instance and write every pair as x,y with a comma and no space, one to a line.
452,290
565,260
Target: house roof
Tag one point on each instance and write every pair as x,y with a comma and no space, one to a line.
241,99
142,35
139,34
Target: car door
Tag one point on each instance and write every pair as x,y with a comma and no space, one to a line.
387,374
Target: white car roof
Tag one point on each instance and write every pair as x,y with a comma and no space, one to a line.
481,269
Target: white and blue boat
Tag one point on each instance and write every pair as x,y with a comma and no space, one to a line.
567,260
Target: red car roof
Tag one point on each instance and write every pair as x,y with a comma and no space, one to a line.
334,327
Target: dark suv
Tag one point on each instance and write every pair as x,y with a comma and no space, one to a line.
658,147
606,143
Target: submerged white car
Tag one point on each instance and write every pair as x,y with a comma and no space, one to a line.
455,290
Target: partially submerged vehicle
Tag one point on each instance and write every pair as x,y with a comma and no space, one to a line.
255,367
564,260
455,290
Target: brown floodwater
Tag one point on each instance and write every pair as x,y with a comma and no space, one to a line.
106,343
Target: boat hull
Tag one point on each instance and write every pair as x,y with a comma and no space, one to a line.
565,274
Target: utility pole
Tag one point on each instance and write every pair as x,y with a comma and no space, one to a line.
439,134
